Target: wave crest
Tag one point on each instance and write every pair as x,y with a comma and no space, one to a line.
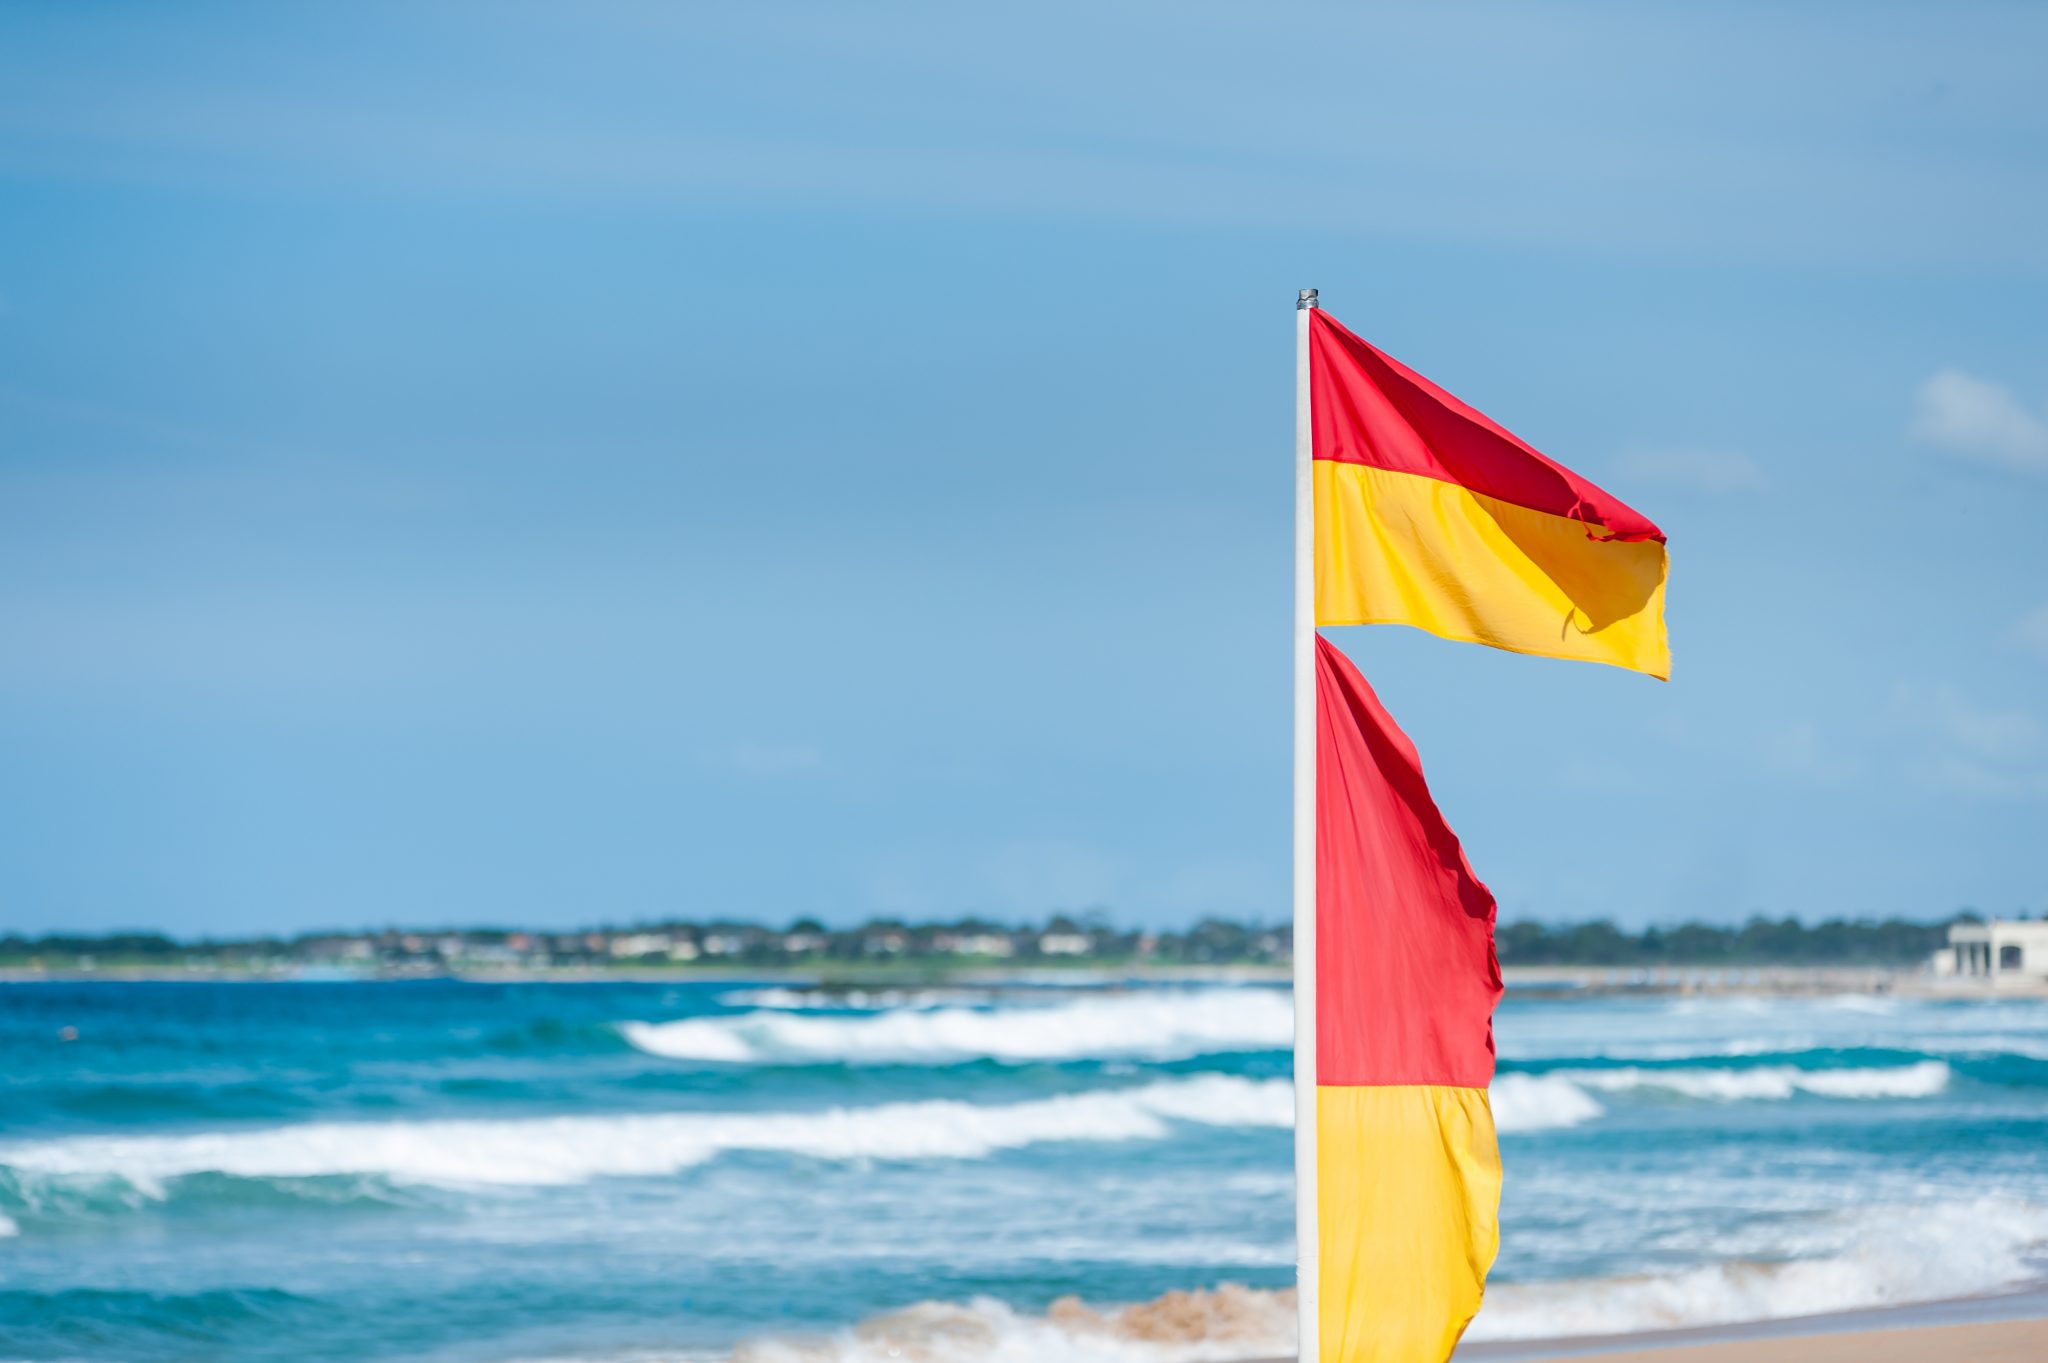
563,1150
820,1000
1201,1326
1155,1025
1886,1256
1921,1080
359,1162
1540,1102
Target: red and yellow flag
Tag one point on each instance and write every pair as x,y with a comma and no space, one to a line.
1407,1172
1427,513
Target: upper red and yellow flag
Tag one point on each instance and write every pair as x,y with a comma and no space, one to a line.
1428,513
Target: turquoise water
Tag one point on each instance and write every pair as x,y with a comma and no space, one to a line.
441,1171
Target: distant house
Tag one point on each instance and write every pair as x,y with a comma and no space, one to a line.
1998,950
972,944
1064,944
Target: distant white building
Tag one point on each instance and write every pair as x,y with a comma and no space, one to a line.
973,943
1998,950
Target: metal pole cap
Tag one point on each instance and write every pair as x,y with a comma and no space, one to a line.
1307,300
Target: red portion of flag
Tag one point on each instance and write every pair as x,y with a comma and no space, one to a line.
1368,408
1406,978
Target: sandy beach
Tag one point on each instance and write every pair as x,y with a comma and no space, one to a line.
2012,1341
1999,1328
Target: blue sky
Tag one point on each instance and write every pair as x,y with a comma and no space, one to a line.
552,464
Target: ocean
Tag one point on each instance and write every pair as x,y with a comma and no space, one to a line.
446,1172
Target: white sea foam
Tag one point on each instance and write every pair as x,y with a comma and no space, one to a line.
540,1151
1704,1027
1885,1256
1154,1024
1975,1045
778,997
1986,1044
563,1150
1540,1102
1882,1257
1180,1327
1518,1044
7,1227
1922,1080
1873,1004
852,1000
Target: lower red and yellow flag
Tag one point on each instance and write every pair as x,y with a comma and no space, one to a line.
1407,1169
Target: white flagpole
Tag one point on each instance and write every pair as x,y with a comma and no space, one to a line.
1307,1264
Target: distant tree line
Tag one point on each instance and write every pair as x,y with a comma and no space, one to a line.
725,943
1059,940
136,945
1760,941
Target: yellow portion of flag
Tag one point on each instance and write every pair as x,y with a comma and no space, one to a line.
1404,549
1408,1206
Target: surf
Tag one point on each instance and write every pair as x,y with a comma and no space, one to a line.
1149,1024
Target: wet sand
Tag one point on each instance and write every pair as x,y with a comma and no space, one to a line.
2004,1327
2010,1341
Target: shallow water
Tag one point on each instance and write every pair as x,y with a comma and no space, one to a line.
449,1172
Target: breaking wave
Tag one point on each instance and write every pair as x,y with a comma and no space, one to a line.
1155,1025
341,1163
1561,1098
852,1000
1766,1082
575,1149
1540,1102
1229,1322
1884,1257
1888,1256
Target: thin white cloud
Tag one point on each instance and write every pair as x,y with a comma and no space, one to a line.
1714,471
1973,418
1797,752
1995,735
2030,633
1974,749
1962,776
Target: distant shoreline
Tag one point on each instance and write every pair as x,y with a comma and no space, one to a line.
835,976
1553,980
